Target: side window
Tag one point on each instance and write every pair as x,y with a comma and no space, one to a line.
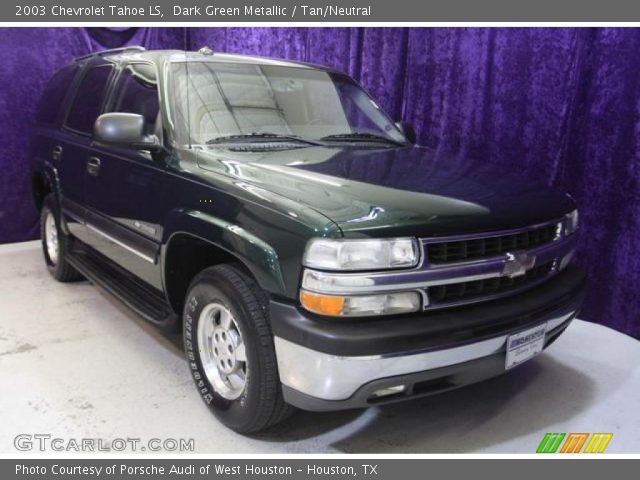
89,97
54,94
138,93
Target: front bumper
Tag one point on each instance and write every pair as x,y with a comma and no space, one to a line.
339,364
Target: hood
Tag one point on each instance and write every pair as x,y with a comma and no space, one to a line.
394,191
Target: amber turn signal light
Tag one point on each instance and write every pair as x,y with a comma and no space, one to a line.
322,304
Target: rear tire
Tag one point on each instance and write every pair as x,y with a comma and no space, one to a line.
229,346
55,243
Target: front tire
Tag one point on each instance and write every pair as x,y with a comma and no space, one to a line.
229,346
55,243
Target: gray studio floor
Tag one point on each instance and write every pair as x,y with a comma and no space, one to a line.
74,363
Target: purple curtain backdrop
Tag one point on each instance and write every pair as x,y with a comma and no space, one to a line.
559,105
28,57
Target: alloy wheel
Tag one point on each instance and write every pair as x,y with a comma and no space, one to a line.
51,238
222,351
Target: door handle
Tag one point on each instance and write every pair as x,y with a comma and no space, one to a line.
56,152
93,166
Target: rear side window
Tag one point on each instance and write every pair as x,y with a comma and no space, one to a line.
89,97
54,94
138,93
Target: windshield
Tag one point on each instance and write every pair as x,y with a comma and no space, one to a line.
216,100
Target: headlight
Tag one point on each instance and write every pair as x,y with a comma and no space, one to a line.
571,223
361,305
367,254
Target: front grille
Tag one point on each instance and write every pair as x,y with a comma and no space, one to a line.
463,250
455,292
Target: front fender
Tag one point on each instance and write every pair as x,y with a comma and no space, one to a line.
256,254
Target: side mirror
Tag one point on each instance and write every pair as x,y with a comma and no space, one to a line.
407,129
125,130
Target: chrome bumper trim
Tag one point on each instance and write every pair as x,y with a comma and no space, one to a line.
332,377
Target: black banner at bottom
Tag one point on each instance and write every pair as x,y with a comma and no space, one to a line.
309,468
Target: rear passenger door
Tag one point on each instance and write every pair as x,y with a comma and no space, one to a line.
73,141
124,192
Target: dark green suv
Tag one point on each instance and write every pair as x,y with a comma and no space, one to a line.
311,254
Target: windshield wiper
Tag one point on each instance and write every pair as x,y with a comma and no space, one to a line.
361,136
248,137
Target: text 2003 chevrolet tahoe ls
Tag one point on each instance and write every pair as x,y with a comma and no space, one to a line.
311,254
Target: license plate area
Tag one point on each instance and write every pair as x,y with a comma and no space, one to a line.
524,345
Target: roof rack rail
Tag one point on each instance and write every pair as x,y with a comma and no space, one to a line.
135,48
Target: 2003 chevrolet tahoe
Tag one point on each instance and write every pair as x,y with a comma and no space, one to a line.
312,255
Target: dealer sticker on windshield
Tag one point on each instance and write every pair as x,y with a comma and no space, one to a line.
524,345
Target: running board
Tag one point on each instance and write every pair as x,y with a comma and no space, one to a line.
118,282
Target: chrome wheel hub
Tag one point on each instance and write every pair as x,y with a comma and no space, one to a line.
222,351
51,238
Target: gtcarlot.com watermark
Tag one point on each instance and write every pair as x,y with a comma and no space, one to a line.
44,442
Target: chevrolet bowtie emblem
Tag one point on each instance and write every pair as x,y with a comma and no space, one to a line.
518,263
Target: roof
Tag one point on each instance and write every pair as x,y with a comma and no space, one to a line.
159,56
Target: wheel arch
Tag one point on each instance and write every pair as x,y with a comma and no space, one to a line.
41,186
195,240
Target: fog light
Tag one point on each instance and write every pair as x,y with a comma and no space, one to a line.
385,392
361,305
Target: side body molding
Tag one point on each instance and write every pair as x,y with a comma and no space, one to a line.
256,254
